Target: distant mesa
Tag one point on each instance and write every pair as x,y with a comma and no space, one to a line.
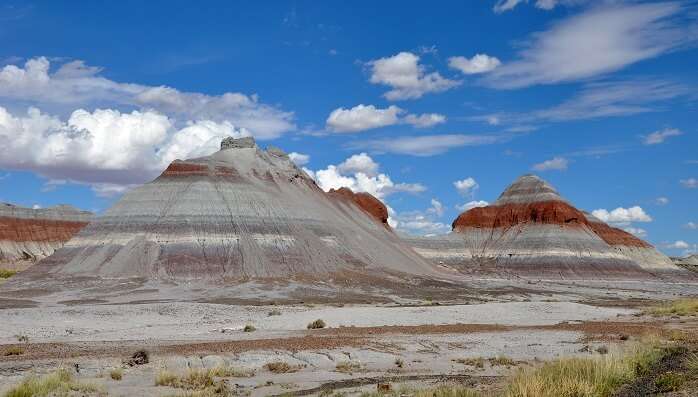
28,235
531,231
238,215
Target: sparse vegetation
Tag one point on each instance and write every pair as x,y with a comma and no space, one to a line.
441,391
5,273
477,362
280,367
501,360
692,364
275,312
22,338
669,381
680,307
58,383
317,324
200,379
249,328
602,350
348,367
14,351
116,373
399,363
596,376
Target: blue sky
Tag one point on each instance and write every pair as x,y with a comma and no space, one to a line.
428,107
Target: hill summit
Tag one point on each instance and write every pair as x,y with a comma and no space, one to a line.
530,230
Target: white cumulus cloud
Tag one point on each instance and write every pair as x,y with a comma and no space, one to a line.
466,186
76,85
691,225
351,173
365,117
357,163
622,215
299,159
362,117
678,244
636,231
556,163
106,148
425,120
436,208
480,63
407,78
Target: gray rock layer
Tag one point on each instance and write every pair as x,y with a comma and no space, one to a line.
240,213
533,248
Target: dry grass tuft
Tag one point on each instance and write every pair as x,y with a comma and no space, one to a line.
669,381
501,360
477,362
58,383
275,312
680,307
692,364
317,324
4,273
348,367
14,351
116,373
597,376
249,328
200,379
281,367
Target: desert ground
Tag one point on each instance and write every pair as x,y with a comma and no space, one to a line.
399,346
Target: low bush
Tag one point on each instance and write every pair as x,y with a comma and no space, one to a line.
317,324
116,373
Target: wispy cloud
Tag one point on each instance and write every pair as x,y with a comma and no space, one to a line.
426,145
598,100
660,136
600,40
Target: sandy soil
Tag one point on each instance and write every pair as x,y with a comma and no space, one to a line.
427,340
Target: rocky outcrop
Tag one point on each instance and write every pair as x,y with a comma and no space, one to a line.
689,262
242,213
27,235
365,201
531,231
